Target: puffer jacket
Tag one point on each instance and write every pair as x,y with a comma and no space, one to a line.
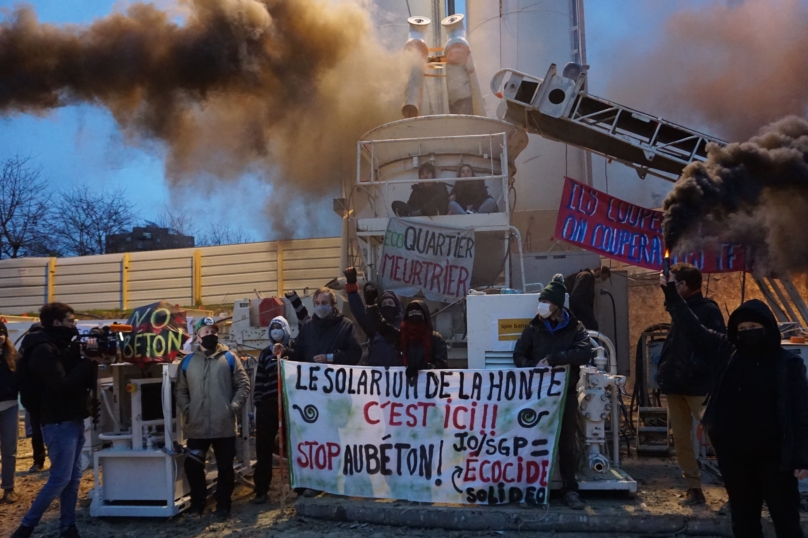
790,375
335,334
211,394
567,344
382,351
680,370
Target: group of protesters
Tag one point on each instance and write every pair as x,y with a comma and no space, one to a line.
755,411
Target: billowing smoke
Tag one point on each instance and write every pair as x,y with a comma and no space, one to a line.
279,88
754,192
729,66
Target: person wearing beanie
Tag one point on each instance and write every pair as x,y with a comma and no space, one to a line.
9,414
555,338
756,412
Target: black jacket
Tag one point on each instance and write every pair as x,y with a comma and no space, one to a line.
680,370
417,359
792,385
8,381
64,377
323,336
581,287
569,345
382,351
429,198
470,193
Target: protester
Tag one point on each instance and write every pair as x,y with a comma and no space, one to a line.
684,376
427,198
265,398
581,287
65,379
301,312
555,338
756,415
9,415
382,351
30,395
212,387
327,337
470,196
421,346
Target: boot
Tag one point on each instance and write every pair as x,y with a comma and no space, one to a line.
573,500
23,532
693,497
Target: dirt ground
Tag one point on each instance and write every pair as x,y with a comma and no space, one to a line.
660,487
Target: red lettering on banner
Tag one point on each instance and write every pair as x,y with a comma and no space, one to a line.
629,233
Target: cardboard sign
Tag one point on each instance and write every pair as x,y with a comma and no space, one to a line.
451,436
422,257
625,232
158,334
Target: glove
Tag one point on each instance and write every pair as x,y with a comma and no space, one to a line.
371,294
350,275
670,292
411,372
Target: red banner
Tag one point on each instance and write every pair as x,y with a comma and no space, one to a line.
625,232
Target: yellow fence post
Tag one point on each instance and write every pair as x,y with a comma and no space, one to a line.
279,250
197,277
51,279
125,281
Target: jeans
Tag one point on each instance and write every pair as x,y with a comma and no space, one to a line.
266,423
9,432
751,479
37,443
681,410
489,206
64,441
224,449
568,457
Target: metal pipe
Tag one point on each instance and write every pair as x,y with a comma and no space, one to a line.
417,49
462,86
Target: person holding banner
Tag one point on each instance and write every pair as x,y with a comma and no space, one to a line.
381,352
328,336
212,386
470,196
422,348
265,397
555,338
756,414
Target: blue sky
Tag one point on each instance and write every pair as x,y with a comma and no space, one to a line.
81,145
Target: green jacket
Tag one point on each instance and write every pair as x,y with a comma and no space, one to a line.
211,393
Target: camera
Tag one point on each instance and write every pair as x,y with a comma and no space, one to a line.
101,342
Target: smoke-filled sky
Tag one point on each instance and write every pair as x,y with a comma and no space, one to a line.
82,144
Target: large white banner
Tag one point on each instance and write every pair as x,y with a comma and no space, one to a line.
451,436
419,256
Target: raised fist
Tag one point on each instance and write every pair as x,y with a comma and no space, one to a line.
350,275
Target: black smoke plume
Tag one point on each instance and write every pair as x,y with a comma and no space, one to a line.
754,192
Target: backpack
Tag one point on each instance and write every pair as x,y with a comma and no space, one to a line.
231,362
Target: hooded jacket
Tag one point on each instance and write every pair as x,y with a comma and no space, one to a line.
335,334
791,385
566,344
266,371
418,360
431,198
62,379
211,393
382,351
680,370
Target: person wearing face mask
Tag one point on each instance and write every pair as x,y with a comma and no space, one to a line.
555,338
64,402
684,377
328,336
381,351
265,397
756,413
212,387
470,196
421,347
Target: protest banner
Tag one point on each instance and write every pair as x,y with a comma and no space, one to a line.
419,256
158,334
629,233
453,436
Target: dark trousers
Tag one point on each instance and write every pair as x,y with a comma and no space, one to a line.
266,424
37,443
749,481
568,456
224,449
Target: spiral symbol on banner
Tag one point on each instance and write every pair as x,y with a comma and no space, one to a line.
528,418
309,413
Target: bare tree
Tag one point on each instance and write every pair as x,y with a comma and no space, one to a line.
83,217
24,208
177,220
223,234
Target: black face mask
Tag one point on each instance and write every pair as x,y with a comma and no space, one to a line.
752,340
65,334
389,313
415,319
210,341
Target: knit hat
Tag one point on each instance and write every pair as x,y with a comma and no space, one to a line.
555,291
3,329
